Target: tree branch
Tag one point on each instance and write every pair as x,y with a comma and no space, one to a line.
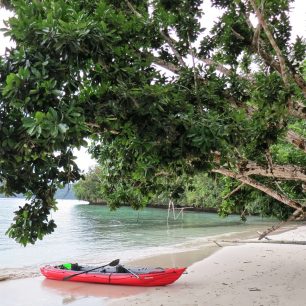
164,34
296,140
297,215
300,82
131,7
233,191
297,109
207,61
286,172
218,66
258,47
253,183
164,64
256,40
171,43
272,41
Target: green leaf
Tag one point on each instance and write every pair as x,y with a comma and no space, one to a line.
63,128
28,122
39,116
57,92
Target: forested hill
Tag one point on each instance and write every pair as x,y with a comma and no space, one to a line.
66,194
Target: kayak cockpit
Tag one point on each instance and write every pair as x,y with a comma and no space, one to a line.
75,267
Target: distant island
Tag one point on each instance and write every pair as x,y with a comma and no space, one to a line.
66,193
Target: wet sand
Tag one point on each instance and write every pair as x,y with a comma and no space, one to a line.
248,274
46,292
40,291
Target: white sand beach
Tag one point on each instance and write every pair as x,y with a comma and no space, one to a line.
243,274
248,274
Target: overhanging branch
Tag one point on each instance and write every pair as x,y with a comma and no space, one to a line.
253,183
284,172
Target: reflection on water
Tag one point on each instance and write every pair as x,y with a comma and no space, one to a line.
94,234
72,291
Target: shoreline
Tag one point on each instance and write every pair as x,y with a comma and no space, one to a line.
244,274
166,207
181,254
212,274
178,253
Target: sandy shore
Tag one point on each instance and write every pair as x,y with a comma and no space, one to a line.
248,274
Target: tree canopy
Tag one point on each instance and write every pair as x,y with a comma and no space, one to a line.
156,93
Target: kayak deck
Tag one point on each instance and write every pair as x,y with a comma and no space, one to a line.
118,275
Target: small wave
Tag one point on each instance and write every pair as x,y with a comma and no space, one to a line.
115,223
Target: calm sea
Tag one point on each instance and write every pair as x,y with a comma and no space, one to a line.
94,235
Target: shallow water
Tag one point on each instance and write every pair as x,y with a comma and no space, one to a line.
94,234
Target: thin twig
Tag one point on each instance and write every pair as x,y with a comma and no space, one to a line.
131,7
233,191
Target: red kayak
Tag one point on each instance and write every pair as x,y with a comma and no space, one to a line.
118,275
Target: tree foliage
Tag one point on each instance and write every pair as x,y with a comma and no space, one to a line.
92,70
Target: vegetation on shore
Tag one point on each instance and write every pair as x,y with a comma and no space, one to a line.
201,192
163,100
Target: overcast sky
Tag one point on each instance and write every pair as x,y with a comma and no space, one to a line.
298,22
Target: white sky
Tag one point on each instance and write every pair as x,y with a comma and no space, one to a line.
298,22
84,161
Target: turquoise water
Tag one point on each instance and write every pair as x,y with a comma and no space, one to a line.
94,234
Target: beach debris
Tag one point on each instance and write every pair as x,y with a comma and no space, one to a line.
218,244
254,289
268,242
260,233
3,278
298,214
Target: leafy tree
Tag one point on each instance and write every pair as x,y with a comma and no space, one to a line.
92,69
89,188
